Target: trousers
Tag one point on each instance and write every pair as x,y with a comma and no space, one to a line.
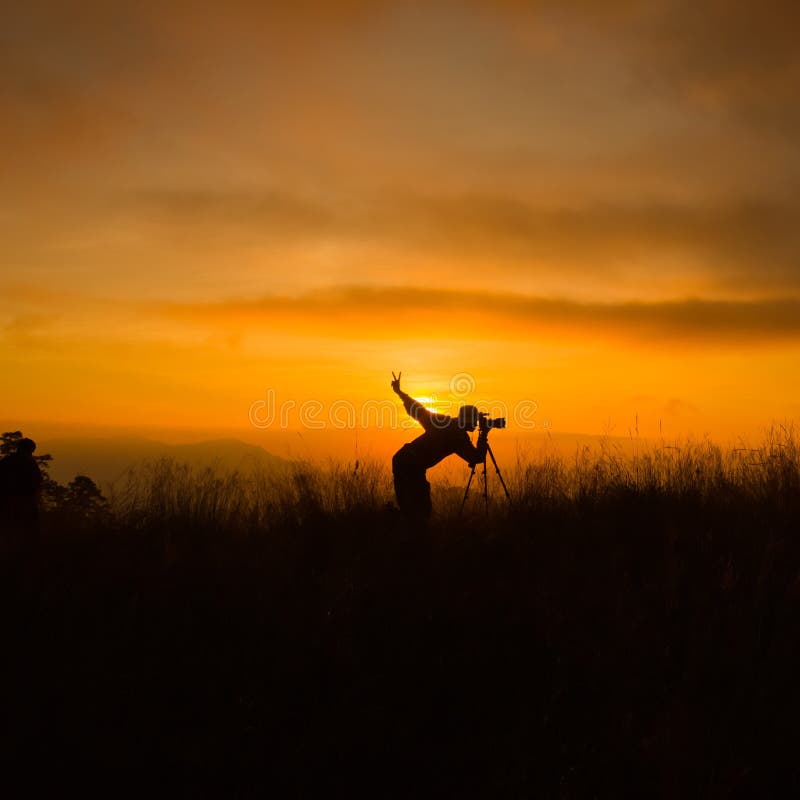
411,488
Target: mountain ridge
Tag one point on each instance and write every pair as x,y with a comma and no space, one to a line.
106,459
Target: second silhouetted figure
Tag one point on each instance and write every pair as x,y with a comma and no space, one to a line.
20,485
443,436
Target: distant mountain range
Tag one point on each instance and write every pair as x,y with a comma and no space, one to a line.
106,459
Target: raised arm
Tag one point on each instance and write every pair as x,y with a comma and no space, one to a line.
414,408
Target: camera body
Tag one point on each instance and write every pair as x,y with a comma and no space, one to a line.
487,424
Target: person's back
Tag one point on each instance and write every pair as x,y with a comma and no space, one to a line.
442,439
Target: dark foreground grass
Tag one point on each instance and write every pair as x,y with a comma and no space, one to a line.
629,628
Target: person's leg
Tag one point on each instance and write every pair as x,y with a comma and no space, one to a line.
400,472
418,497
411,488
30,525
425,498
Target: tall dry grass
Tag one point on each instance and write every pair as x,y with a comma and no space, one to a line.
627,628
164,493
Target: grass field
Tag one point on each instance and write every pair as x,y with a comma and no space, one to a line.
628,627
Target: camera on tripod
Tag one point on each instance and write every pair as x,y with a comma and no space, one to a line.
487,424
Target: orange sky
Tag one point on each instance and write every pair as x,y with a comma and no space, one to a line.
589,206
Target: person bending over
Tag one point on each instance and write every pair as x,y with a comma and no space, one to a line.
443,436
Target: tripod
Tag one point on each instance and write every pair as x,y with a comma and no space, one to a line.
485,481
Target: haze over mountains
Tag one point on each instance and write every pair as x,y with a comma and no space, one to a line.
105,453
107,459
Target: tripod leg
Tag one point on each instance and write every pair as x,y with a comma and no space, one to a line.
485,489
499,474
466,491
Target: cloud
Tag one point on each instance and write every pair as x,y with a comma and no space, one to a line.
412,313
549,145
264,213
65,74
30,331
743,247
734,53
359,312
726,241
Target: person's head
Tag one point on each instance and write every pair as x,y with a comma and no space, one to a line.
26,446
468,417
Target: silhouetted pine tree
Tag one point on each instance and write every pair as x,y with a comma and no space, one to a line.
84,499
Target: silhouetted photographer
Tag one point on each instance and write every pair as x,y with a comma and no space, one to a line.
443,436
20,485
